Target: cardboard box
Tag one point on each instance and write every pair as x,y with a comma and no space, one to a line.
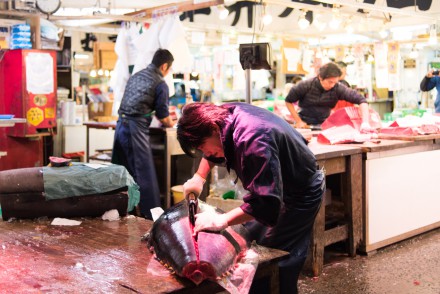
225,205
100,109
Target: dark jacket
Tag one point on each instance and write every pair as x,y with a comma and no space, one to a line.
315,103
428,84
140,97
271,159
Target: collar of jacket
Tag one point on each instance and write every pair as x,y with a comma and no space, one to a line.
154,68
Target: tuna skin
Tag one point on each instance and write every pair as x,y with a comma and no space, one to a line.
211,256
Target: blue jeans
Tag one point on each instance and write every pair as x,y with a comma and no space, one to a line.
131,148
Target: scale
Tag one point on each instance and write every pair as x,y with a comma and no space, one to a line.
254,56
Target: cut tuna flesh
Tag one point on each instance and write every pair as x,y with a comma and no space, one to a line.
344,134
350,116
398,131
210,256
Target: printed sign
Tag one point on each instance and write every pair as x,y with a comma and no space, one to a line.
35,116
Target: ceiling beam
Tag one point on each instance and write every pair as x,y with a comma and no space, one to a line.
379,8
180,7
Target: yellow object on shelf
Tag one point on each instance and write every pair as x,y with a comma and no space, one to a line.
177,193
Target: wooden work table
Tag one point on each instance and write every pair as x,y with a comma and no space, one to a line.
347,161
95,257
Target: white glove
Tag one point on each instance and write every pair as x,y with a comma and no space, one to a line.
366,128
194,185
210,221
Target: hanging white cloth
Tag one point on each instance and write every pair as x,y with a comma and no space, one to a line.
172,37
125,50
166,33
146,44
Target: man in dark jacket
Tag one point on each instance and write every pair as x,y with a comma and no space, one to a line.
317,96
146,92
430,81
274,164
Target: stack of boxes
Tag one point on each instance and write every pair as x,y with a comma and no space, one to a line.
20,37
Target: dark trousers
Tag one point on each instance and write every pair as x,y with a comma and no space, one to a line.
131,148
291,233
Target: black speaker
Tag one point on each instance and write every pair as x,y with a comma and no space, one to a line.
255,56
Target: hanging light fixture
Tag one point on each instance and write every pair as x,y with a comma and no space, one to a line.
222,12
318,23
432,35
267,17
303,23
414,52
383,33
336,20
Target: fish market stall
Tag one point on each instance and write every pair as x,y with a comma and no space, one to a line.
400,174
401,190
96,256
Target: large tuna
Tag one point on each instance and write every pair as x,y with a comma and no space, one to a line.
209,255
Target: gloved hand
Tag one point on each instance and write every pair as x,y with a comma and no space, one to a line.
193,185
366,128
210,221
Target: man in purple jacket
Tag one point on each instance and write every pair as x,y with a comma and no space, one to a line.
276,167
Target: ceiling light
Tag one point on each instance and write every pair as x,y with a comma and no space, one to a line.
383,34
414,52
267,19
349,28
334,23
222,12
303,23
318,23
432,35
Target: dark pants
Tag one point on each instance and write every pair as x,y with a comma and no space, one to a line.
131,148
291,233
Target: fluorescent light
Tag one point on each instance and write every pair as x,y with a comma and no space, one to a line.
267,19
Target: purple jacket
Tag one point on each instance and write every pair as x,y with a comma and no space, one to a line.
272,161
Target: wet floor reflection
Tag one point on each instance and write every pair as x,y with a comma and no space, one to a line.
411,266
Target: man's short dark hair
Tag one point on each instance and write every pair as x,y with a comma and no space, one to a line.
330,70
197,123
162,56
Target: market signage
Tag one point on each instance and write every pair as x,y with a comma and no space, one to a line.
243,13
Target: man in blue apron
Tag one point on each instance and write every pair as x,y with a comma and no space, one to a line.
146,92
276,167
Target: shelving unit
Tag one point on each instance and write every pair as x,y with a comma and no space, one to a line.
9,123
64,68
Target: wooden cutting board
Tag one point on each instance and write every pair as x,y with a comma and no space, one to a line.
409,137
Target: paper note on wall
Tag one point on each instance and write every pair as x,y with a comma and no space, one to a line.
292,56
381,65
40,73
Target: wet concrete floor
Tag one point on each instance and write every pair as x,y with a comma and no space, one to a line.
408,267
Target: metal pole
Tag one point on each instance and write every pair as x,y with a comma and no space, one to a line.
248,86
